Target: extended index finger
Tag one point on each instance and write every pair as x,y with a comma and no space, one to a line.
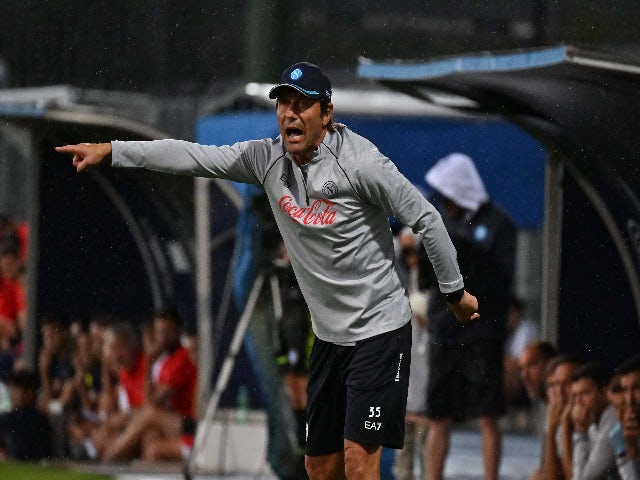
68,149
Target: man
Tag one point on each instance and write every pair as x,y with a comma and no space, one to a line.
628,446
55,363
521,331
466,362
589,421
331,192
124,368
558,390
169,395
532,364
12,303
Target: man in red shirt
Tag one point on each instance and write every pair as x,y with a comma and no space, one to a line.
174,378
168,411
130,364
13,303
124,373
8,312
12,298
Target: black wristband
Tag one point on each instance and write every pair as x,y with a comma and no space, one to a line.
454,297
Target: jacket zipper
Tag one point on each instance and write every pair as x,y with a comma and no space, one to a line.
303,170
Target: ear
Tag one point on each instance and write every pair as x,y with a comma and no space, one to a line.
326,116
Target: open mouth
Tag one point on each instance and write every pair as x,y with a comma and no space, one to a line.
293,133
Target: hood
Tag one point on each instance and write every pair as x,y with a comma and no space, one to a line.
456,177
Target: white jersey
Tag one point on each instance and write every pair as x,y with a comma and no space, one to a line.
333,217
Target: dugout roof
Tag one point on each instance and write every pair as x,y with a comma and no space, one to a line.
582,104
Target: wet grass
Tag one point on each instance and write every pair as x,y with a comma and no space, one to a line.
32,471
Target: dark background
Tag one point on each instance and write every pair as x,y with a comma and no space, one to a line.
169,47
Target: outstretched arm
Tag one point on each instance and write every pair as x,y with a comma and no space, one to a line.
87,155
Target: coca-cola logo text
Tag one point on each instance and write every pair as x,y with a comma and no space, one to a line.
320,212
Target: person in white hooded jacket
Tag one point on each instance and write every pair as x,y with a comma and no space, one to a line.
466,361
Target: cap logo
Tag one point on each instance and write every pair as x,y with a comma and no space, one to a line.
296,74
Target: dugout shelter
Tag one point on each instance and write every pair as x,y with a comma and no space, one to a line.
582,106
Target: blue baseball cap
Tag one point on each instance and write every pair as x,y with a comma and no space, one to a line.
307,79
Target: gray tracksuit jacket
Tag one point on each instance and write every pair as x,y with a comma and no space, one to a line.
333,216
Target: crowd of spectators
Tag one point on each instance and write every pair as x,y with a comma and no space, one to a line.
102,390
586,417
106,391
589,417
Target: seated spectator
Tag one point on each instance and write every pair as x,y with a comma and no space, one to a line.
55,364
124,374
168,411
12,305
14,233
615,395
520,332
558,392
12,269
627,445
99,324
25,432
588,423
82,413
532,364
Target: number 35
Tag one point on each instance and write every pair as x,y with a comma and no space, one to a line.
374,412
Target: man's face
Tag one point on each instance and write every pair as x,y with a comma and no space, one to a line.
532,365
630,384
590,396
166,333
301,123
559,382
116,348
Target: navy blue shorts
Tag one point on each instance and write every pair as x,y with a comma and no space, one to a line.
358,392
